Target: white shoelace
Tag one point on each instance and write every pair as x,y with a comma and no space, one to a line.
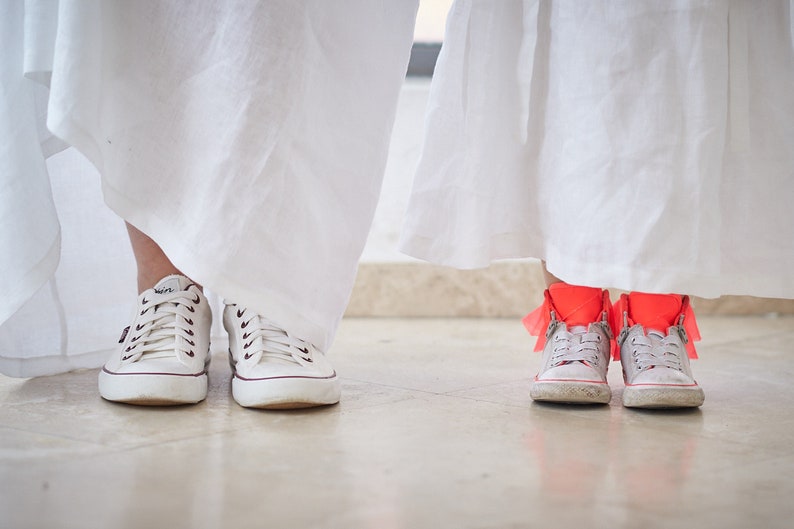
654,350
576,347
263,339
163,318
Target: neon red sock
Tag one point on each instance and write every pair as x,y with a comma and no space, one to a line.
577,305
655,311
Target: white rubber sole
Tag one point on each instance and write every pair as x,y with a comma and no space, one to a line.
649,396
570,392
153,389
286,392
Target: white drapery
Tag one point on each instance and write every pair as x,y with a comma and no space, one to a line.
639,145
247,138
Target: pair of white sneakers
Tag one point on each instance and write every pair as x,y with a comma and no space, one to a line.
656,367
164,355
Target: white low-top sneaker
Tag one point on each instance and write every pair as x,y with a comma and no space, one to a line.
656,369
164,353
272,369
574,365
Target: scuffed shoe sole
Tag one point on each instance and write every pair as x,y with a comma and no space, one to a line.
286,393
650,396
570,392
152,389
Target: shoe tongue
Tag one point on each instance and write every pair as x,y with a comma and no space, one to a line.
577,305
174,283
654,311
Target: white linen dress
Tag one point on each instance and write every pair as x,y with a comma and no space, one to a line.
643,145
248,139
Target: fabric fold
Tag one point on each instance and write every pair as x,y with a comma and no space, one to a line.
248,139
630,145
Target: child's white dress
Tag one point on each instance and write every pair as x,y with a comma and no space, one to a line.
644,145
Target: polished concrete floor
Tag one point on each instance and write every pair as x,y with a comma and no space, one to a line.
435,430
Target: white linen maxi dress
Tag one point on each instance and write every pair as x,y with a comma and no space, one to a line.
248,139
642,145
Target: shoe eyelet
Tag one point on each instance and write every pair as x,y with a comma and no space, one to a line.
247,345
191,354
125,358
134,339
189,321
128,349
190,332
197,300
145,301
239,313
244,325
191,342
247,356
246,335
191,309
138,327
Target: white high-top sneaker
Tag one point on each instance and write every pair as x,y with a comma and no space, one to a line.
164,353
272,369
656,369
574,365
